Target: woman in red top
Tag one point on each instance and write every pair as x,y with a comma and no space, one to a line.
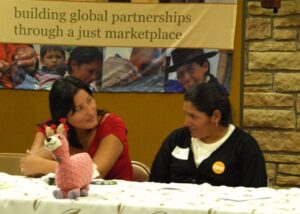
103,135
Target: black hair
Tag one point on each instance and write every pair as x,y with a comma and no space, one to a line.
61,102
45,48
84,55
207,98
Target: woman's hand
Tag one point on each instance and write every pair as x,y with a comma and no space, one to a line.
31,165
34,165
118,71
4,66
25,57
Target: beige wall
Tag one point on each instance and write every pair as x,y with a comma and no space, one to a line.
272,87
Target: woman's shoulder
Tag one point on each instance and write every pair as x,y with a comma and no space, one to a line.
180,131
179,134
244,139
111,121
178,137
111,117
242,135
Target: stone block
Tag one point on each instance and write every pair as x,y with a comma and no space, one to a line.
262,46
278,141
257,78
268,100
284,34
258,89
287,82
274,60
282,158
262,118
292,169
258,28
284,180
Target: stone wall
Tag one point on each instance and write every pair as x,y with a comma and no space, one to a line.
271,110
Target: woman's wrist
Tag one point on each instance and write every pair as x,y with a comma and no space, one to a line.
48,166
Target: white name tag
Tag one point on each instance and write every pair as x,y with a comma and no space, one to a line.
181,153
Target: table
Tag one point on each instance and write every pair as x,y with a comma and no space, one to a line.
19,194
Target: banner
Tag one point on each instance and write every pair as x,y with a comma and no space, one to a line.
135,40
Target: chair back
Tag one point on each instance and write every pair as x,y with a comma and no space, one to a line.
10,163
141,172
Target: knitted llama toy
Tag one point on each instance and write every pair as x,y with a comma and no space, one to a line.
74,173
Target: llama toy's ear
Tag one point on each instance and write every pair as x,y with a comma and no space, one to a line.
49,131
62,127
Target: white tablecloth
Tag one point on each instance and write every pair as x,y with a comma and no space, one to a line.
33,195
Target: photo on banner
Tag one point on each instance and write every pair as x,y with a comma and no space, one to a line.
154,59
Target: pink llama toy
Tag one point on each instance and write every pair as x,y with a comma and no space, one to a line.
74,173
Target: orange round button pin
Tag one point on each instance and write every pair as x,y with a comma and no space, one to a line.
218,167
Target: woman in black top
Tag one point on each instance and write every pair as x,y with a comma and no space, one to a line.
209,149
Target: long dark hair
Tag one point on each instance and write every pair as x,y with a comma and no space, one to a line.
84,55
61,102
206,97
